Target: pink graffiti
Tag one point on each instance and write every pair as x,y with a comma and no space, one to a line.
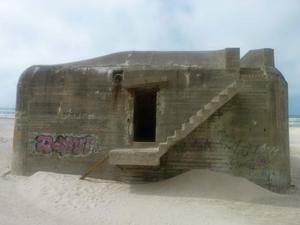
201,143
64,145
44,143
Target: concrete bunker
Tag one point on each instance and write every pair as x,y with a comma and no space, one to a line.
154,115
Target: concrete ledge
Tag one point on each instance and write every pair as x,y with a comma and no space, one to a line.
145,82
205,59
134,156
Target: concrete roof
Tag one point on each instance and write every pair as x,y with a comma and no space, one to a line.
206,59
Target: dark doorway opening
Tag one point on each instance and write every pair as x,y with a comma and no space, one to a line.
144,115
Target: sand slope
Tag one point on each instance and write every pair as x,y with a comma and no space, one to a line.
6,137
195,197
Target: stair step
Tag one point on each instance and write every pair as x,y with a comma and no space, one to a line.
227,92
192,119
163,148
171,139
198,119
206,112
233,85
200,113
185,126
208,106
230,90
214,104
216,99
163,145
223,97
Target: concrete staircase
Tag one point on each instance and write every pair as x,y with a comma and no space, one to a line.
151,156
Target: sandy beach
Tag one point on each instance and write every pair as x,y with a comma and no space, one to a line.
196,197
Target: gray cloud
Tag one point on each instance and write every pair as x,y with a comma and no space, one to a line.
47,32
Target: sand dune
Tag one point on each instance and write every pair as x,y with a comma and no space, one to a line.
207,184
195,197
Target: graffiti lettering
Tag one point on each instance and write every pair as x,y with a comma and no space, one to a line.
64,145
201,143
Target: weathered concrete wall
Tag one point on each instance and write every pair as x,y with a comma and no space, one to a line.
81,102
247,137
52,104
69,116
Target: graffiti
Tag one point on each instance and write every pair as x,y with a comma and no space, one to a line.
64,145
253,156
202,144
265,155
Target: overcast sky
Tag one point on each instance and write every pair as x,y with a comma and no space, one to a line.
56,31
